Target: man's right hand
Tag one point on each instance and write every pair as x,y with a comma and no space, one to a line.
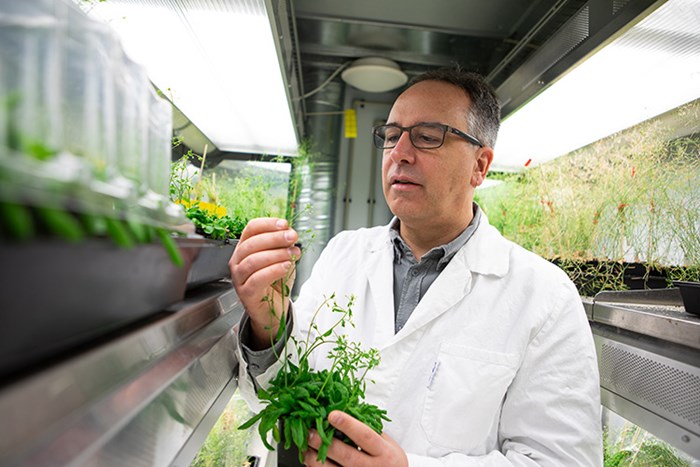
263,258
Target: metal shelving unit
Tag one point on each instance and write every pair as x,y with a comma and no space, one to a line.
649,359
146,398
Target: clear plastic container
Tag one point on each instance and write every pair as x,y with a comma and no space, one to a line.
79,93
159,145
31,34
79,120
132,124
90,70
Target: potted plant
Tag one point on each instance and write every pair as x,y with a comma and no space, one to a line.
300,398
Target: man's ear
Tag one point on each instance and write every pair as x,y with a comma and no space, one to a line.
484,157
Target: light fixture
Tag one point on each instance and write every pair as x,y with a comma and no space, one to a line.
645,72
218,62
374,74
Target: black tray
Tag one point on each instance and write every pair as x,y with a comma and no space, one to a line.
55,296
690,292
211,260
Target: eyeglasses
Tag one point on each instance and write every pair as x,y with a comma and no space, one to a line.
423,135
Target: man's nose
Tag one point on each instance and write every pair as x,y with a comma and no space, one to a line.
404,151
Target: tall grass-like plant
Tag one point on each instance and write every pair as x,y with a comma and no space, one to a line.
635,447
634,196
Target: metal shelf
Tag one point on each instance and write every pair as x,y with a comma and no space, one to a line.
649,360
136,400
656,313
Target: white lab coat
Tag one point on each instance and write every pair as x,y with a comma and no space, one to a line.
496,366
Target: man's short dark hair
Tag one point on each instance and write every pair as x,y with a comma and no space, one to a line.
484,117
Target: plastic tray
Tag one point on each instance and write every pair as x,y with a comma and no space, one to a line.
55,296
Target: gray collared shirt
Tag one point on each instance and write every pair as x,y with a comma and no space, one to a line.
412,278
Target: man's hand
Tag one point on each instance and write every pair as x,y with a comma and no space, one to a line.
263,257
373,449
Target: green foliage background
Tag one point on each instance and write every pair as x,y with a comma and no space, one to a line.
226,445
634,196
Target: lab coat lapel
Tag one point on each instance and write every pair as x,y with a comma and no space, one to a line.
487,253
440,297
380,276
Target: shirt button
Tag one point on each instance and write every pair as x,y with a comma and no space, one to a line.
414,273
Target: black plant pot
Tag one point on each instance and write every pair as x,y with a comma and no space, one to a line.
690,292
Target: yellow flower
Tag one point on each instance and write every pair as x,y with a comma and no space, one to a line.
212,209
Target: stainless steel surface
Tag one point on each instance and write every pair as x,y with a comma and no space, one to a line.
521,46
684,440
190,449
656,313
131,401
651,383
588,306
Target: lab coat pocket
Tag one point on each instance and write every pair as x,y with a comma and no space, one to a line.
464,393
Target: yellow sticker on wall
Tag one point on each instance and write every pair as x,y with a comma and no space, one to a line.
350,123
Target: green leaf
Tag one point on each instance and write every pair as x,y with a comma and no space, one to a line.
141,232
276,432
94,225
312,411
118,233
17,221
326,440
286,401
251,421
298,435
287,427
39,151
170,247
301,393
62,224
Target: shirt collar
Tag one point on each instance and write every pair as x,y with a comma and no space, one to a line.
444,252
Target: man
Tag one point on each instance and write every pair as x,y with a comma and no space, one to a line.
487,357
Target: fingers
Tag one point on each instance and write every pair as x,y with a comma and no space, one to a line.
372,449
339,452
362,435
262,268
266,247
262,225
262,235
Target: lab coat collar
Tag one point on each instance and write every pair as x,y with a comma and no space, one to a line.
486,253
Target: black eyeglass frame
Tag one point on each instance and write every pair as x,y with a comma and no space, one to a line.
469,138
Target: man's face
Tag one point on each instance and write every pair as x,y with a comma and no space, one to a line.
433,188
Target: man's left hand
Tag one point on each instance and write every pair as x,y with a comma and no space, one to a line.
372,449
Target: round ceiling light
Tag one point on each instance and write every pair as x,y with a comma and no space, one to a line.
374,74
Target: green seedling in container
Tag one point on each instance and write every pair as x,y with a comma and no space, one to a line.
119,233
61,223
17,221
170,247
